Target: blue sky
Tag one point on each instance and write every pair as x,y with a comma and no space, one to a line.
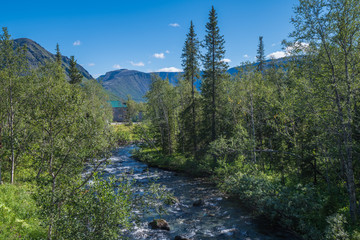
145,35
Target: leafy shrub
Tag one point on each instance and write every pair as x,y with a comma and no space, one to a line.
335,229
294,207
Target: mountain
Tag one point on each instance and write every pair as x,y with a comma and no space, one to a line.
125,82
37,56
268,64
135,83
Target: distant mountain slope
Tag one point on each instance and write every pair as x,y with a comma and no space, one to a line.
125,82
135,83
37,55
267,65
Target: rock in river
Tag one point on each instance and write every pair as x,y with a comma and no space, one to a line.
181,238
198,203
159,224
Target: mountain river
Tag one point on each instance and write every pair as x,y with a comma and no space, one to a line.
218,218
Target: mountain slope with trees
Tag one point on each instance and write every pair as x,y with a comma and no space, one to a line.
38,56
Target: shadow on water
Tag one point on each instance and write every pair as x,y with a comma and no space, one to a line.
217,218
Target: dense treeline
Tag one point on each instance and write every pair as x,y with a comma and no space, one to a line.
284,136
50,130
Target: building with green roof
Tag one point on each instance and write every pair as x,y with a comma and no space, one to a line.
119,111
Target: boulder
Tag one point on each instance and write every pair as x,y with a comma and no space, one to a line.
159,224
181,238
198,203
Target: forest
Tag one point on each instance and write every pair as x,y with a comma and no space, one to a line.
282,136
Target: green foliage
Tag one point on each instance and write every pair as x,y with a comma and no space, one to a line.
56,129
260,57
58,56
126,134
18,213
335,230
74,73
161,110
175,162
285,137
214,76
100,210
294,207
132,110
189,97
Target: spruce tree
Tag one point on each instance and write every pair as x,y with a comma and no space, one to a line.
260,57
58,55
75,75
190,63
213,77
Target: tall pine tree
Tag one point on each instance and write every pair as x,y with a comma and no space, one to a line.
213,78
58,55
260,57
190,62
75,75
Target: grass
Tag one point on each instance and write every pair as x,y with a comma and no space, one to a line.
175,162
18,214
125,133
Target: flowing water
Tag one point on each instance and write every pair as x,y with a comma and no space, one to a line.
218,218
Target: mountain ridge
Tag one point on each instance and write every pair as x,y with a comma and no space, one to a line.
125,82
37,55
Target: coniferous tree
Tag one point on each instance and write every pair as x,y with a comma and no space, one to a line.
213,76
190,63
260,57
58,55
75,75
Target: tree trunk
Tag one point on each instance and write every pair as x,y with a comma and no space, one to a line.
11,123
213,117
253,127
193,115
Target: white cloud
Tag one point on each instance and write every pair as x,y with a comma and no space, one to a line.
77,43
91,64
276,55
174,25
246,56
159,55
169,69
296,47
139,64
226,60
116,66
167,51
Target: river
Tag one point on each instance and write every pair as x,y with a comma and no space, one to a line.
218,218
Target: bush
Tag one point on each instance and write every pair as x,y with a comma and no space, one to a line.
294,207
335,230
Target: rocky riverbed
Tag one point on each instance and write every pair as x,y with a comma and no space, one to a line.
199,211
